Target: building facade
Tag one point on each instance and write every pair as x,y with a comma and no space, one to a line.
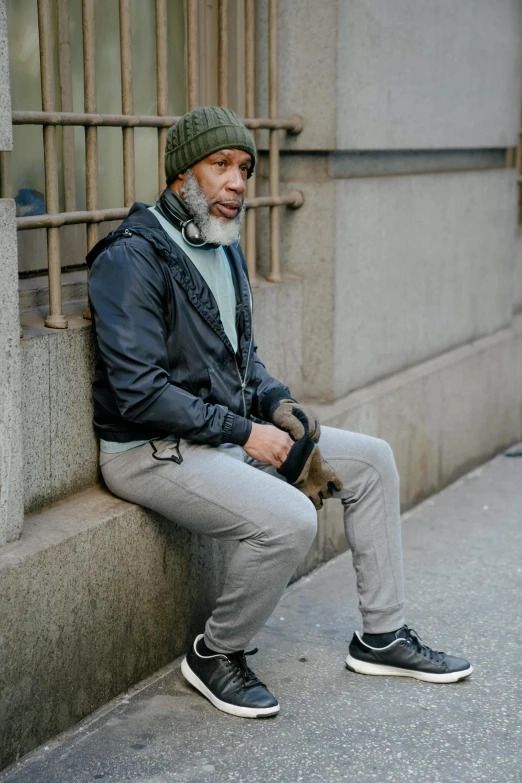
390,297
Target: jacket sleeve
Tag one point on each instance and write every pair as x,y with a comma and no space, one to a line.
127,294
268,389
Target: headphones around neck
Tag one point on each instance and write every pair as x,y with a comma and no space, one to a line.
187,227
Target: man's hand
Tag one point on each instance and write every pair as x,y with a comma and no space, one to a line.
283,416
268,444
306,469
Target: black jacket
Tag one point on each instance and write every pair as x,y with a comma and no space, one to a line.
164,363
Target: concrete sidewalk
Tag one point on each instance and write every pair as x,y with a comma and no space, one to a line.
464,581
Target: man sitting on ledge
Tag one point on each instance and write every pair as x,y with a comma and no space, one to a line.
193,426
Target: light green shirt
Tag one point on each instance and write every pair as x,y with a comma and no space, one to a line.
214,267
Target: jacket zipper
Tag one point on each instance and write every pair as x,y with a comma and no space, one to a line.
243,384
127,233
243,381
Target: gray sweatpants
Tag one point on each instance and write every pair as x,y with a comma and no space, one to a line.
222,492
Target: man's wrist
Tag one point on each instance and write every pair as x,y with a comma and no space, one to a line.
272,399
236,429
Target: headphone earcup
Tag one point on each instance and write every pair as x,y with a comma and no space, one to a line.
191,234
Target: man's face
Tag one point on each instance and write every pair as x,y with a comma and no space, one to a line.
214,192
222,177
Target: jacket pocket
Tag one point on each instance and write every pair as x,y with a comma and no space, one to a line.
225,388
224,385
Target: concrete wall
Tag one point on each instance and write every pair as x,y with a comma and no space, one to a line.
404,267
395,269
445,415
517,274
370,74
11,495
428,75
422,264
308,250
60,449
307,32
11,492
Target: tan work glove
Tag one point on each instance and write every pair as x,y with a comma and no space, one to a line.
305,467
284,418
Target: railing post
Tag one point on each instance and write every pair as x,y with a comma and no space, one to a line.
250,59
273,152
55,319
223,53
192,53
127,102
6,181
91,133
64,56
162,84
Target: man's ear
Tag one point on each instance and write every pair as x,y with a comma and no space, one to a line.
178,183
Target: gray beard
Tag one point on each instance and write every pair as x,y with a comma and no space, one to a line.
212,229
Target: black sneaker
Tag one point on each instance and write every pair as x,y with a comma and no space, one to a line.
228,683
406,657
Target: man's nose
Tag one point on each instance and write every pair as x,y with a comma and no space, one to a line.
236,182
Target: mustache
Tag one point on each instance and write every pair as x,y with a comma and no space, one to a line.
233,202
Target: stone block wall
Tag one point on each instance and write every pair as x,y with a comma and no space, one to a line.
11,493
423,263
433,75
407,236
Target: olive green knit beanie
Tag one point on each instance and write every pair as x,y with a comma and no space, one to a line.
201,132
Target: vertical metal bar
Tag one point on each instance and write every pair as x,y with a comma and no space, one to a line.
55,319
6,181
273,150
91,133
126,101
192,53
64,57
250,220
250,58
162,84
223,53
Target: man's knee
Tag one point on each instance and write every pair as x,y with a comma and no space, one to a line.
381,457
297,527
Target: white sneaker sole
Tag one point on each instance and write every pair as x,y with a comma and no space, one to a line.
363,667
231,709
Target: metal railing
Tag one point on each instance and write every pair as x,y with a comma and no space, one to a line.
49,118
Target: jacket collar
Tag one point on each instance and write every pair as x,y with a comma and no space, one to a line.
141,221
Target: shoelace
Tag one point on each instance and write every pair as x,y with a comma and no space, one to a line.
238,662
414,639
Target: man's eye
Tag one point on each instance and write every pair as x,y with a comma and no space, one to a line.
220,163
